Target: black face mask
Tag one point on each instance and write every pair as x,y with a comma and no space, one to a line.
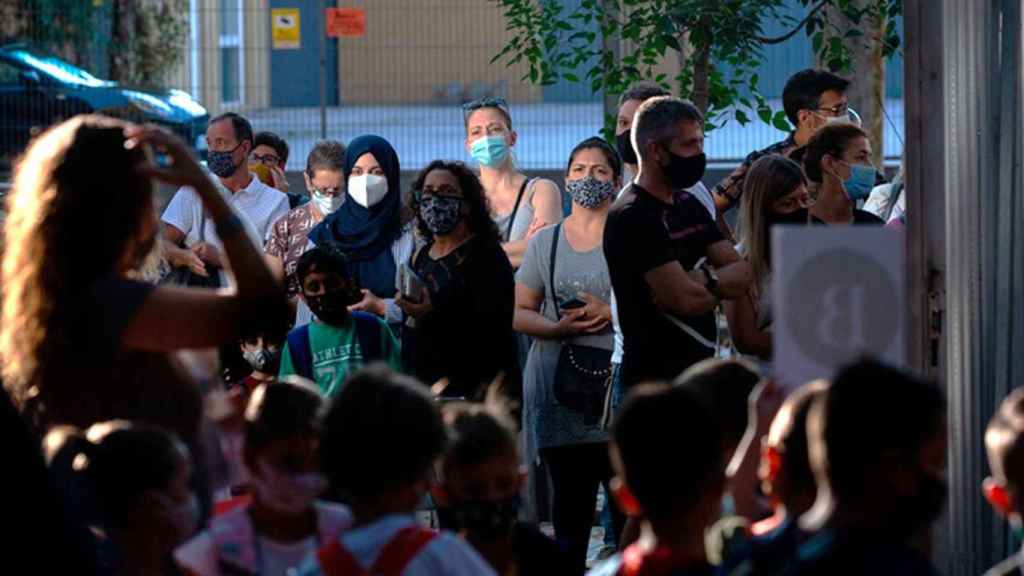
332,307
483,519
625,147
916,512
797,217
684,171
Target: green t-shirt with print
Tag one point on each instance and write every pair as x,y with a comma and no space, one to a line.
336,354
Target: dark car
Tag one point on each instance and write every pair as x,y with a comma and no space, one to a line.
38,90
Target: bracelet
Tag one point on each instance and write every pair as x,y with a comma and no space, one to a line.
229,226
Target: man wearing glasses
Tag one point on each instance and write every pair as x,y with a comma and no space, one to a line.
811,98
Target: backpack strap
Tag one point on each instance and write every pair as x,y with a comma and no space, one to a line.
368,333
392,559
397,553
335,560
301,352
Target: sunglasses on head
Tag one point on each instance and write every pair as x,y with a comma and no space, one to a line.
488,102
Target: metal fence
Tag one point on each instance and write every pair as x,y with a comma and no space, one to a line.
401,70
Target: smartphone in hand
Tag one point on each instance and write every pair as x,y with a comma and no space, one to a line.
572,304
409,284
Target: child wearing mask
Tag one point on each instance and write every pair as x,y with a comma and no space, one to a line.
340,341
478,497
262,353
128,486
1004,440
787,480
284,523
670,474
382,435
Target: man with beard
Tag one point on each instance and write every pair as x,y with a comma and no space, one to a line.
877,445
339,342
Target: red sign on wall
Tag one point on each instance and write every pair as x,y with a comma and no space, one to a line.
346,22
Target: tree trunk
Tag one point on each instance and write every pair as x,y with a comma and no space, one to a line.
122,30
867,91
701,74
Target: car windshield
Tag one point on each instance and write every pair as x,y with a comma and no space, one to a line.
57,68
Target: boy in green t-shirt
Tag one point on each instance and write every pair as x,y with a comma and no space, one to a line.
338,342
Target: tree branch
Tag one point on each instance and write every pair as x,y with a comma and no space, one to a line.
791,33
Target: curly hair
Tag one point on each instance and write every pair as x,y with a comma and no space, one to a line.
76,209
479,222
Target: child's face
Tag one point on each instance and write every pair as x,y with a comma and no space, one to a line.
285,474
295,455
498,478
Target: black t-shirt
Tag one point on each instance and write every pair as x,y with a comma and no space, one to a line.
467,337
643,233
1009,567
859,217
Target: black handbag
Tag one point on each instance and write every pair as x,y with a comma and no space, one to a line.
583,373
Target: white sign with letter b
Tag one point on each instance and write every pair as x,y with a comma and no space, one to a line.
838,293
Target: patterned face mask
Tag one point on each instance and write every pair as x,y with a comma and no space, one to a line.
440,214
589,192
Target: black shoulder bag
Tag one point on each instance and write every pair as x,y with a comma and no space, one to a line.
583,373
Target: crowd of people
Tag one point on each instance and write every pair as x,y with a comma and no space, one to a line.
366,380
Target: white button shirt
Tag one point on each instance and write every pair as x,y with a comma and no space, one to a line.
259,206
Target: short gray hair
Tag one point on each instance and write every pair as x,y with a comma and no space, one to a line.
643,90
656,120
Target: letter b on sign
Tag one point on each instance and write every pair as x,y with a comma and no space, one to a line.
841,305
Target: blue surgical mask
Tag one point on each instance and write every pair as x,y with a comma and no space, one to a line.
861,181
489,151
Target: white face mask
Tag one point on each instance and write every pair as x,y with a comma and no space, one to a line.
286,493
327,204
368,189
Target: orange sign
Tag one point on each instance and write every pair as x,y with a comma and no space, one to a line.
346,22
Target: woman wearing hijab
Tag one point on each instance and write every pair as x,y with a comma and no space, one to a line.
368,228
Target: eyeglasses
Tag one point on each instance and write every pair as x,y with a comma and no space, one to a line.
488,102
837,110
421,195
328,191
268,159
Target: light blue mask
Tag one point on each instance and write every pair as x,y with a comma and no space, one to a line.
489,151
861,181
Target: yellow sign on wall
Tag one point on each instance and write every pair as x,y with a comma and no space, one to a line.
284,27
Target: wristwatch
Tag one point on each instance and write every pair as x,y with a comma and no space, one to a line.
712,277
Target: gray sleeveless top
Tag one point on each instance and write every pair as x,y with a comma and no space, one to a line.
523,216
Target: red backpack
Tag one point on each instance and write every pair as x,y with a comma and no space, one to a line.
335,560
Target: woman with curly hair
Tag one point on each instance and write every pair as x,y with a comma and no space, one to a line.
461,322
81,340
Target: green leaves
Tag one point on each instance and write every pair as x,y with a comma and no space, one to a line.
582,45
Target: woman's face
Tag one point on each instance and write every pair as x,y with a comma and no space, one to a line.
367,164
488,122
327,182
590,162
857,151
441,183
790,203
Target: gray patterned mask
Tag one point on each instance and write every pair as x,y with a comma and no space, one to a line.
440,214
589,192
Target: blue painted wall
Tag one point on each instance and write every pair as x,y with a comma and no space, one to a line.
295,74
